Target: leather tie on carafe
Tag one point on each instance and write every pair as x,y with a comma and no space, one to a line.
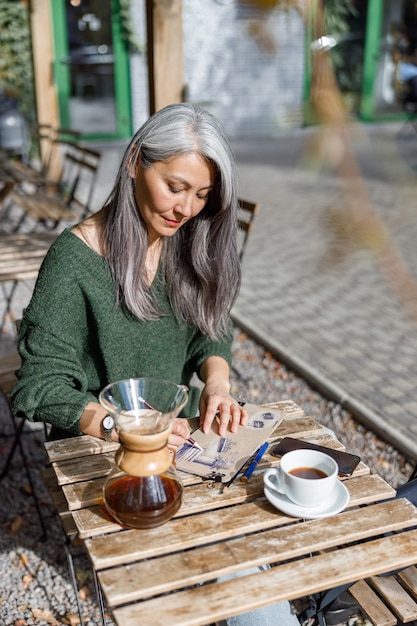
144,455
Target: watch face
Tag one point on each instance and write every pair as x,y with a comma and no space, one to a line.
108,422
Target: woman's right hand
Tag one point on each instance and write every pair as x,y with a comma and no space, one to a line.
180,432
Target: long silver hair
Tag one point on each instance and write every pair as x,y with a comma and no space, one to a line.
200,261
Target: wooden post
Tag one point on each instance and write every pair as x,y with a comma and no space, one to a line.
43,56
165,52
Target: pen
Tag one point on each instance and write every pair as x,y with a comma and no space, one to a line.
254,463
193,442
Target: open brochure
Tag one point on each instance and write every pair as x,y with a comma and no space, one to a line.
221,458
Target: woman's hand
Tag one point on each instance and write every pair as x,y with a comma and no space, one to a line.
216,398
92,417
231,414
180,432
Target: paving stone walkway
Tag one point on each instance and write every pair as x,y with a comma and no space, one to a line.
320,296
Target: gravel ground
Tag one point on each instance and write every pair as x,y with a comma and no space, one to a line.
35,585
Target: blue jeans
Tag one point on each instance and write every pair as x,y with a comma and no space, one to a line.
279,614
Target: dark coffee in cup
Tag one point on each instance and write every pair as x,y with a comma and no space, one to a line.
297,474
313,473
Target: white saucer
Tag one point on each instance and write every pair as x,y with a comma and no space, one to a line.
338,500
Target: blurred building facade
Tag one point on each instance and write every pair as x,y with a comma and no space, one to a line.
247,61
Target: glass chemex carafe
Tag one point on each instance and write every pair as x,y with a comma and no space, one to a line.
143,490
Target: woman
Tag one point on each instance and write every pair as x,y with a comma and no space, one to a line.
144,287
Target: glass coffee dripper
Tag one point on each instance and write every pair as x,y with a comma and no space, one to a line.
143,489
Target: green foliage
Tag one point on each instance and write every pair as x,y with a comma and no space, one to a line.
337,14
128,33
347,55
16,67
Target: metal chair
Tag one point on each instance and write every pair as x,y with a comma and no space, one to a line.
46,141
247,212
40,150
9,363
406,80
409,103
67,199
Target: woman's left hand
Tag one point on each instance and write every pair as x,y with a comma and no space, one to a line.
215,400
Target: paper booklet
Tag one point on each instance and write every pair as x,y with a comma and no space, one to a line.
221,458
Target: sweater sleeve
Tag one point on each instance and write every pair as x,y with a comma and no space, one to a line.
203,347
52,384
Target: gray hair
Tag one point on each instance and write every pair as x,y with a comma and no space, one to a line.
200,261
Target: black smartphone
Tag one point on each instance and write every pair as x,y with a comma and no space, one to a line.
346,462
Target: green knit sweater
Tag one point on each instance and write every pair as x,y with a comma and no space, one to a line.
74,340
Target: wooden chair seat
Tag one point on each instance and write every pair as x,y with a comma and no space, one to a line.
9,363
41,207
19,172
21,256
385,600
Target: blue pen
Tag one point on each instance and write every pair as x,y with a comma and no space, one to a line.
254,463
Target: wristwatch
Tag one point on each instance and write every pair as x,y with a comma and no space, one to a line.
107,426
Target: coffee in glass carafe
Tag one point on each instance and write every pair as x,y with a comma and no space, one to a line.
143,489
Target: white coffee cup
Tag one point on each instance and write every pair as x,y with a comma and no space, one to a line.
307,477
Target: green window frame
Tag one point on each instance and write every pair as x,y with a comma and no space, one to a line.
61,72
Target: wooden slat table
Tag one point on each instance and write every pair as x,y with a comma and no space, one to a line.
155,577
21,256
